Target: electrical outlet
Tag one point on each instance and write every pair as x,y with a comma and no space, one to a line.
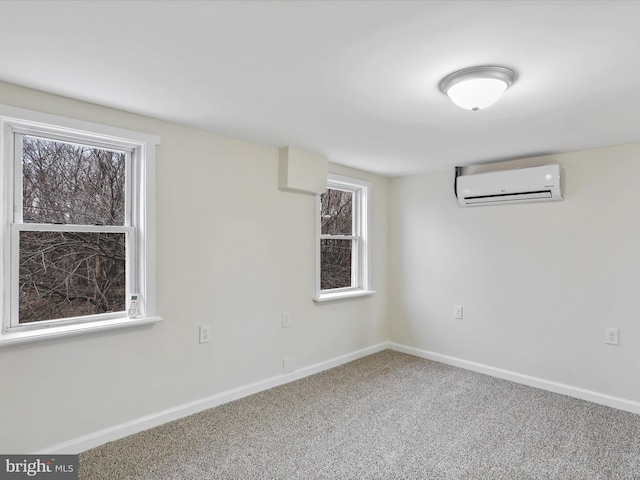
611,336
286,319
457,312
205,333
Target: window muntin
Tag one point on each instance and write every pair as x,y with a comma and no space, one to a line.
342,256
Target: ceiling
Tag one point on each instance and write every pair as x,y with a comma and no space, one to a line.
356,81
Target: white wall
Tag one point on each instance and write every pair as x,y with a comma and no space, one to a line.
243,252
538,282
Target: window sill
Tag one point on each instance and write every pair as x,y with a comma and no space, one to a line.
15,338
328,297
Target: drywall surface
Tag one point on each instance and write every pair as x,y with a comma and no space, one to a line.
538,282
233,252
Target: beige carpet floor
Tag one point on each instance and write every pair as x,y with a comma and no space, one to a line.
385,416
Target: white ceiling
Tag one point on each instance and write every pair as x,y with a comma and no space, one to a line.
356,81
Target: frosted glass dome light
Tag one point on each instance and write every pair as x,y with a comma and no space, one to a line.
477,87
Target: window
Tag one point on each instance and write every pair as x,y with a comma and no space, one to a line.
77,231
342,247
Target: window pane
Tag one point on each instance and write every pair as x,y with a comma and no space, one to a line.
71,183
69,274
336,212
335,261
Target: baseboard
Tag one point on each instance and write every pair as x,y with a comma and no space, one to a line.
122,430
581,393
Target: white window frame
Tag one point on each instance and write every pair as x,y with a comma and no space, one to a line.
360,257
139,226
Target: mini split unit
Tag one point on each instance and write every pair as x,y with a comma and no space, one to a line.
536,184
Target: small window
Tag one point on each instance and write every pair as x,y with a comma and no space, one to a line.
343,243
74,239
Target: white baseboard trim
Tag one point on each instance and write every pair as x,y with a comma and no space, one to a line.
122,430
581,393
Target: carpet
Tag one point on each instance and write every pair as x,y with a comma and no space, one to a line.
385,416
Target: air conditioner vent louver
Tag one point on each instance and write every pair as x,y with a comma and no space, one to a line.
535,184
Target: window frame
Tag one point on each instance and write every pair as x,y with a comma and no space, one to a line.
138,227
360,253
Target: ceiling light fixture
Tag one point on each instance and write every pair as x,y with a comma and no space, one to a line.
477,87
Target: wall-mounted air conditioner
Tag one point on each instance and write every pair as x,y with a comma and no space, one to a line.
535,184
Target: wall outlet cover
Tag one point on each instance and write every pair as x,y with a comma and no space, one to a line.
611,336
205,333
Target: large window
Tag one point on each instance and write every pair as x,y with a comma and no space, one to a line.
342,254
77,227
